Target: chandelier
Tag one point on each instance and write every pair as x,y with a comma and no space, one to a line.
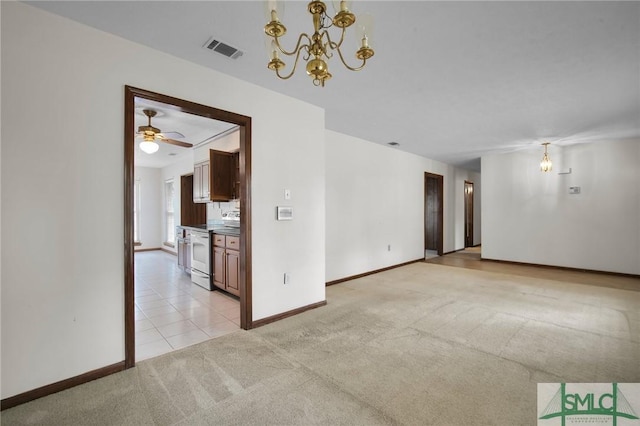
545,164
319,47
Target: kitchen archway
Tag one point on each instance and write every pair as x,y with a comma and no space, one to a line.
244,123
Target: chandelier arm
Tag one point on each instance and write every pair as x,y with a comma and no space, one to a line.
336,46
364,61
295,65
332,44
298,47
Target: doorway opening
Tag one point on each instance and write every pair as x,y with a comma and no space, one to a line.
468,214
244,166
433,214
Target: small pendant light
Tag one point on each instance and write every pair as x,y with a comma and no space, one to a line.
545,164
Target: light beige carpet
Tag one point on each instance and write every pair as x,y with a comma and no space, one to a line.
419,345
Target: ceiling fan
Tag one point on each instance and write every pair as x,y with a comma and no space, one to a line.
151,134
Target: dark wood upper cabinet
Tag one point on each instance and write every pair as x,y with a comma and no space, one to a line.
215,179
222,175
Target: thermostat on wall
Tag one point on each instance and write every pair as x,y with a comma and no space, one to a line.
285,213
574,190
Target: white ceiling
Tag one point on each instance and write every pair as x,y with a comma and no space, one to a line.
449,81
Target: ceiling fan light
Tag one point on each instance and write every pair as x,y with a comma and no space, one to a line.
149,147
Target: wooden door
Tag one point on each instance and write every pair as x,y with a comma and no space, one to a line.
233,271
431,222
433,212
468,214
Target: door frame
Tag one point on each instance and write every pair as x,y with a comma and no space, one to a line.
440,215
244,123
466,210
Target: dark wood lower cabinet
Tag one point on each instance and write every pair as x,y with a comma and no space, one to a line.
226,263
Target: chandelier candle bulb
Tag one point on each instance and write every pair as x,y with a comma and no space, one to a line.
364,28
274,50
272,53
341,5
274,10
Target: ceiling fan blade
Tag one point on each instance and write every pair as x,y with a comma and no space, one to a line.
173,135
177,143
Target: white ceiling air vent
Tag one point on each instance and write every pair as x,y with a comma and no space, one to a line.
222,48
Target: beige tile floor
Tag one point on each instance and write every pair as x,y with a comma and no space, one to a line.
172,312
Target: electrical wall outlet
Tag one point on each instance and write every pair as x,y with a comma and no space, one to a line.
287,194
287,278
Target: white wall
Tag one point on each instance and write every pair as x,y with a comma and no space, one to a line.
151,202
529,216
375,198
69,319
228,143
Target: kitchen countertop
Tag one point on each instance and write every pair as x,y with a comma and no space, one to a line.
216,229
